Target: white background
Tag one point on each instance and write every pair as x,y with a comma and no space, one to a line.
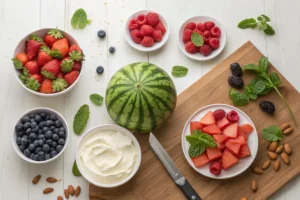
19,17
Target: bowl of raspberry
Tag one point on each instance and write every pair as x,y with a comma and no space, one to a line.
40,135
146,30
48,62
201,38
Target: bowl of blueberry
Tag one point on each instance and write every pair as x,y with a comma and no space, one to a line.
40,135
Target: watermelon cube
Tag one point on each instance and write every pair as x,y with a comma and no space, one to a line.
247,128
243,134
220,138
223,123
212,129
231,130
208,119
244,151
233,146
228,159
240,139
213,153
200,160
221,146
195,126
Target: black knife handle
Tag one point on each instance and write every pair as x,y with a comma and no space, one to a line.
187,189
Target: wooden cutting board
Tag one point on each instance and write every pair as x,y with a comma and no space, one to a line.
152,181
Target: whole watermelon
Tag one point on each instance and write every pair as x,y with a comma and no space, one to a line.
140,97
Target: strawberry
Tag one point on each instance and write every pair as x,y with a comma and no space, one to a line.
187,34
213,153
205,50
146,30
37,77
208,119
152,19
22,57
76,55
201,27
71,77
160,26
52,36
147,41
59,84
228,159
240,139
223,123
214,43
141,20
220,139
157,35
195,126
77,66
190,47
190,25
231,130
234,147
219,114
46,87
233,116
244,151
136,36
133,25
62,46
32,67
75,47
215,168
44,56
34,44
247,128
209,25
51,69
66,64
212,129
215,31
60,75
200,160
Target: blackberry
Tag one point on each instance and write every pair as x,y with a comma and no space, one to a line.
267,106
236,69
235,82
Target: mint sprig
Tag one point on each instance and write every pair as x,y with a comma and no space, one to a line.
272,133
179,71
261,22
79,19
96,99
75,169
197,39
81,118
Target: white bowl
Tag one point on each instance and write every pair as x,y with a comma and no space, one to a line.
36,110
21,48
198,56
243,164
114,128
156,45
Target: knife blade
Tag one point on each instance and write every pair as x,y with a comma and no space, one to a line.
171,168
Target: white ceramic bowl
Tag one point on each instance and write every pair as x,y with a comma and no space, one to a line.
21,48
198,56
114,128
156,45
243,164
33,111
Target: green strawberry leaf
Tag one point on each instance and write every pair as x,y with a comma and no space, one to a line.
17,63
247,23
76,55
96,99
26,72
81,118
22,78
272,133
56,54
67,65
197,39
269,30
179,71
79,19
32,84
59,84
75,169
56,33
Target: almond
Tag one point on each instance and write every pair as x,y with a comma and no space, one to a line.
60,198
279,149
288,131
273,146
257,170
77,191
285,158
52,180
272,155
48,190
285,126
266,164
36,179
254,185
276,165
287,148
71,190
66,194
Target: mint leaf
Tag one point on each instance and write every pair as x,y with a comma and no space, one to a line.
269,30
272,133
198,142
252,67
96,99
207,140
247,23
193,139
80,119
263,64
259,18
75,169
238,99
197,39
275,79
79,19
262,26
266,18
197,132
196,150
179,71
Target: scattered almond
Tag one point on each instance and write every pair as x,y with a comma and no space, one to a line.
285,126
66,194
257,170
52,180
273,146
285,158
276,165
48,190
279,149
254,185
71,190
36,179
288,131
60,198
77,191
287,148
266,164
272,155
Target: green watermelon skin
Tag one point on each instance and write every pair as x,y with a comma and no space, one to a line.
140,97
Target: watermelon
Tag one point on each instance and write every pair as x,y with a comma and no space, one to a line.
140,97
208,119
223,123
212,129
195,126
220,138
228,159
244,151
200,160
233,146
213,153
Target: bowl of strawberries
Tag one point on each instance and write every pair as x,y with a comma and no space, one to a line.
201,38
48,62
146,30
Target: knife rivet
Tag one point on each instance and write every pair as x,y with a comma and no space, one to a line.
193,197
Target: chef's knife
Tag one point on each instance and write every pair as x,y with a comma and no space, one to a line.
170,166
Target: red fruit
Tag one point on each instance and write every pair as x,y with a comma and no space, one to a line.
52,36
157,35
201,27
212,129
231,130
205,50
214,43
22,57
244,151
219,114
187,34
160,26
232,116
136,36
207,34
141,20
133,25
62,46
77,66
147,41
247,128
208,119
66,65
44,56
152,18
200,160
37,77
243,134
33,46
209,25
60,75
220,139
206,39
215,31
240,139
223,123
46,87
190,47
51,69
197,31
71,77
195,126
221,146
228,159
215,168
146,30
75,47
190,25
234,147
213,153
32,67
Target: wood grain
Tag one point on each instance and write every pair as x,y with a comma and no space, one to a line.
153,182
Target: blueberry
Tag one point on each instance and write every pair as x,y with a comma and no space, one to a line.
25,119
41,136
36,157
36,143
47,156
55,137
32,156
19,140
45,129
22,147
61,141
47,117
43,115
112,49
24,140
31,147
62,129
33,124
37,150
26,152
49,142
54,144
28,131
49,123
99,70
40,132
53,117
31,115
35,129
49,134
41,155
21,133
41,124
56,130
19,127
62,134
52,128
41,142
57,123
37,118
26,125
101,34
33,136
59,148
32,120
46,148
53,154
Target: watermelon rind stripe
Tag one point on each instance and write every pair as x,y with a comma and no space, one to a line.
124,106
163,78
152,74
133,72
145,68
168,89
131,111
159,99
141,116
112,101
125,73
151,112
118,86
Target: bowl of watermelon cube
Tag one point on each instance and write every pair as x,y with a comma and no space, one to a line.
201,38
219,141
146,30
48,62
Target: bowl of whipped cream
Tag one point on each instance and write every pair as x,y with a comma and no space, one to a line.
108,155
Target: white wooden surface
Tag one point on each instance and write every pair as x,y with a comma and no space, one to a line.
19,17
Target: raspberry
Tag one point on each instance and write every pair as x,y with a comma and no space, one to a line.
232,116
160,26
141,20
219,114
206,39
146,30
198,31
215,31
187,34
207,34
157,35
152,19
133,25
201,27
147,41
215,167
209,25
205,50
190,25
235,82
214,43
136,36
190,47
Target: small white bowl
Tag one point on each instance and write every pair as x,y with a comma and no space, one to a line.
198,56
33,111
21,47
114,128
156,45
